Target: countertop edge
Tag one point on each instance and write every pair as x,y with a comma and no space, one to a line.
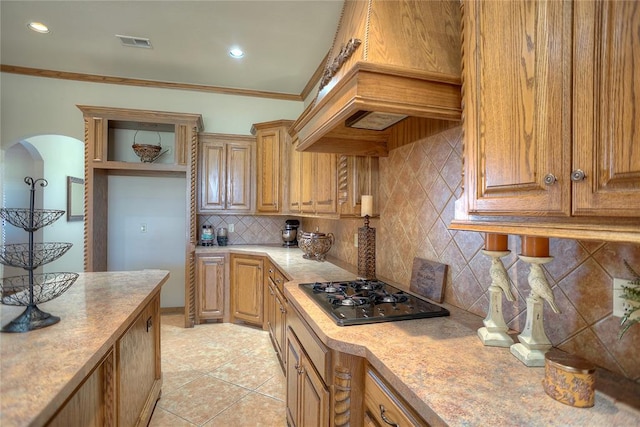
61,396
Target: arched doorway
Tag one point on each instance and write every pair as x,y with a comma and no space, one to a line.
54,158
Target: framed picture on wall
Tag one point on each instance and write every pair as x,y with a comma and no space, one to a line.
75,199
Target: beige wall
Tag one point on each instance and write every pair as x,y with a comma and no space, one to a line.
419,184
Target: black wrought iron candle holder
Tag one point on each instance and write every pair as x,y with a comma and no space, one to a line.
367,251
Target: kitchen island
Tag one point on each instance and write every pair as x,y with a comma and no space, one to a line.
439,366
100,365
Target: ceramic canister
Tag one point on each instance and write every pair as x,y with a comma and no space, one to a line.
569,379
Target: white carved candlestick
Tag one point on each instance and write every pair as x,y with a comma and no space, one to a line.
533,340
494,332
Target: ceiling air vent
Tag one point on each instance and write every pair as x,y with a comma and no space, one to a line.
134,41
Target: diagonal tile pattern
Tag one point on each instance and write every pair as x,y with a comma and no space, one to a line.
419,184
413,223
218,374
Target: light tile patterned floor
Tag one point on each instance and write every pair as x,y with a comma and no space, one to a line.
218,374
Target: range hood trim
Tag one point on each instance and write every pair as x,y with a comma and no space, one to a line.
436,96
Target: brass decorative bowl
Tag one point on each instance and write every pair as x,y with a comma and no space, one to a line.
315,245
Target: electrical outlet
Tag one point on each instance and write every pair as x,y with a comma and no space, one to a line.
355,240
232,228
619,304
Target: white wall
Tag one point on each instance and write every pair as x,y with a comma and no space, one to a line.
38,106
159,204
61,156
23,159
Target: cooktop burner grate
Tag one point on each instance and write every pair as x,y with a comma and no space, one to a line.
369,301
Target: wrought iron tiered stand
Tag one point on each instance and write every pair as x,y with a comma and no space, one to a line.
31,289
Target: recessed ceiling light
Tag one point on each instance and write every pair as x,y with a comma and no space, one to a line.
236,52
38,27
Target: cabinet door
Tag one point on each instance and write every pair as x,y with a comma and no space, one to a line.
270,311
212,176
314,397
306,188
210,287
238,180
517,71
325,183
247,289
606,113
138,364
295,161
279,324
268,189
307,396
294,354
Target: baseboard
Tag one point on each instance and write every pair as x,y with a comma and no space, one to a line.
171,310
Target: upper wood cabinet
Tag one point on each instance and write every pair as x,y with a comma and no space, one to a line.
550,131
318,190
272,147
322,183
225,173
606,110
295,170
357,175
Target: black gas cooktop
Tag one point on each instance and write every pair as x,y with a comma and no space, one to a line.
358,302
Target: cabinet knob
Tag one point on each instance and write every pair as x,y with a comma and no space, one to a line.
577,175
385,419
550,179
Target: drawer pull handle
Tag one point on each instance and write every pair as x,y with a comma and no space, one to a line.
385,419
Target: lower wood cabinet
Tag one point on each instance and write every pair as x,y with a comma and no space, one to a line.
276,310
307,394
138,367
125,384
308,372
210,286
247,289
383,406
88,406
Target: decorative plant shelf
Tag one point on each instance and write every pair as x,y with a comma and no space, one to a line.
31,289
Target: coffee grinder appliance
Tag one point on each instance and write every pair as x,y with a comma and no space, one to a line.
290,233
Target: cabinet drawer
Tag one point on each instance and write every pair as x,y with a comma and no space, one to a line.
384,407
276,276
317,352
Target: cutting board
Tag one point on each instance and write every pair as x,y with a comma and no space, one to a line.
427,279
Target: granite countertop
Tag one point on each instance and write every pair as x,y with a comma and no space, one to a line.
439,365
41,368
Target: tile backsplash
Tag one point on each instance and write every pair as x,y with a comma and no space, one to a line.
249,229
419,184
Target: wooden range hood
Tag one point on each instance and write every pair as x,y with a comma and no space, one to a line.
389,60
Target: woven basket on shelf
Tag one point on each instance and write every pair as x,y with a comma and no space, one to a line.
147,152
